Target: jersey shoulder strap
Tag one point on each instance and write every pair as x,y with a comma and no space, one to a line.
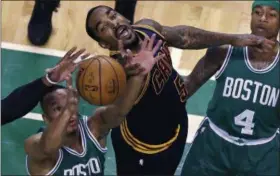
147,30
90,136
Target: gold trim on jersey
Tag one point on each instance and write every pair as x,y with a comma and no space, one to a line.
144,88
143,147
150,28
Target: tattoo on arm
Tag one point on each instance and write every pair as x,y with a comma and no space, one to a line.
187,37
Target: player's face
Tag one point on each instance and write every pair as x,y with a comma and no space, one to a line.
56,102
265,22
110,27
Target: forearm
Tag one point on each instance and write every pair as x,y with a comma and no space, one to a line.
22,100
203,70
194,38
52,137
191,85
115,113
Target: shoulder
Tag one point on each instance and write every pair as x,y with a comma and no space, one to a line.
149,22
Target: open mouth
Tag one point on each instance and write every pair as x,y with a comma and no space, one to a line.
73,123
261,28
122,32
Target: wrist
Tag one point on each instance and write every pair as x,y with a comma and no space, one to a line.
45,81
48,81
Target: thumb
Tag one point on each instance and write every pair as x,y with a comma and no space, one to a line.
259,41
48,70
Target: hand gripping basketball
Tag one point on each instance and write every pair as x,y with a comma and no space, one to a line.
143,62
65,66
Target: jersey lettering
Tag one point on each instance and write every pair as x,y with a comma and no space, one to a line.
251,90
163,70
179,84
158,81
90,168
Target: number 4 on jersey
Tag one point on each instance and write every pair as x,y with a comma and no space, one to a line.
245,119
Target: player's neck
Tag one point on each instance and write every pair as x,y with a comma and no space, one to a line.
73,141
268,57
256,55
136,46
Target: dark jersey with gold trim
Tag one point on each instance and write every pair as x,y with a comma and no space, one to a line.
160,108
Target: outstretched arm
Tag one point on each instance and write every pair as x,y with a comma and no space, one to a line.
188,37
32,92
13,109
206,67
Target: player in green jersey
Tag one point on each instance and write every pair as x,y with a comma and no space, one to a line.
239,134
70,145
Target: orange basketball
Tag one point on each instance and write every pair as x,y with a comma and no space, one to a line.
101,80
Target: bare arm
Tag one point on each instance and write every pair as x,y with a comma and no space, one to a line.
206,67
188,37
108,117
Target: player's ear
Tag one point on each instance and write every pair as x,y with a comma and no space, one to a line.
104,45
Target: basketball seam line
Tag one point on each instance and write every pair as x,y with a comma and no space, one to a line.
116,78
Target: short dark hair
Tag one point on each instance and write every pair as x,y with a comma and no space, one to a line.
89,30
49,90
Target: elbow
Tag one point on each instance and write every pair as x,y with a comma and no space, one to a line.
120,116
48,150
47,146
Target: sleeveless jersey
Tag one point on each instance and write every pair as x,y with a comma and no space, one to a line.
246,101
155,120
89,162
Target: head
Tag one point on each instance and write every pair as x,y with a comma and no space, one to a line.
106,26
52,105
265,18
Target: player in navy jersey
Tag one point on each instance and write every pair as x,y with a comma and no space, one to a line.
152,138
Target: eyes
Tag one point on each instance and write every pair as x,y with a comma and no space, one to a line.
112,16
56,108
260,12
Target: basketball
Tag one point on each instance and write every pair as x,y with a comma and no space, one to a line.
100,80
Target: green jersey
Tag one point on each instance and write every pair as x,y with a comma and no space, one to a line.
89,162
246,102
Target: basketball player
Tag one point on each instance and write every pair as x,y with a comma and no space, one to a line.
239,134
151,140
69,146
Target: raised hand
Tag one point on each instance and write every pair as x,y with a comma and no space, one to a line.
66,65
143,62
72,98
262,44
